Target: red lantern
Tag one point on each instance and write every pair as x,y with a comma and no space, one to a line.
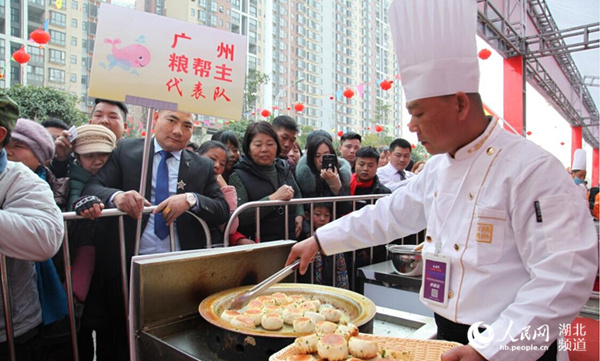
40,36
378,128
386,84
125,125
562,143
197,123
288,108
368,128
340,133
265,113
226,123
331,97
21,56
143,133
484,54
275,107
299,107
348,93
413,146
253,113
529,132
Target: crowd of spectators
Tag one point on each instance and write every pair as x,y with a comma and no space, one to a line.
92,168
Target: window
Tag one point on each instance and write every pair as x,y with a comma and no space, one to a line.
58,19
73,23
193,12
73,59
74,5
57,37
73,41
73,78
57,56
56,75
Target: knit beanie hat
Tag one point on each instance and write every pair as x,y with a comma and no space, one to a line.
93,138
36,137
9,112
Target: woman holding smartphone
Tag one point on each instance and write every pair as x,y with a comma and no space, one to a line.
320,173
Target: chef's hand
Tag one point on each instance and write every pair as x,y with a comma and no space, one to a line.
298,225
306,251
131,202
461,353
172,207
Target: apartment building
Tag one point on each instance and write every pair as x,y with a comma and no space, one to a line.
311,50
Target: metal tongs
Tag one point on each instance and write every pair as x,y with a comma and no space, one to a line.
243,298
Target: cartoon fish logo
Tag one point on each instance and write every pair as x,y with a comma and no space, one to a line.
127,57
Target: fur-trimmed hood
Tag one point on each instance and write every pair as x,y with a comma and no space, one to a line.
307,181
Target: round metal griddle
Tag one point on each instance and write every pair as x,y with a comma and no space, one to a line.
232,342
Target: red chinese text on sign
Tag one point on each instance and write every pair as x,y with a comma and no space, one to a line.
174,83
177,36
220,92
227,50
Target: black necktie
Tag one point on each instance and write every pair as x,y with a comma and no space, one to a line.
402,174
162,192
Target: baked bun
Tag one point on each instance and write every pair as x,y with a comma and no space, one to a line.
316,317
324,328
303,325
255,314
273,308
331,314
308,306
307,344
362,347
228,315
290,314
296,298
271,321
332,347
279,298
242,321
347,331
255,304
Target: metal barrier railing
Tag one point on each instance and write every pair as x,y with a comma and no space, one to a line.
296,201
72,216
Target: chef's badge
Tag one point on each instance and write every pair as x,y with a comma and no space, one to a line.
485,232
436,279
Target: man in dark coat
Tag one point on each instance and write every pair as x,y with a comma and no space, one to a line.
177,181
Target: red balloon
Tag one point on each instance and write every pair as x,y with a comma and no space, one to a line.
378,128
21,56
348,93
299,107
340,133
529,132
40,36
485,53
265,113
386,84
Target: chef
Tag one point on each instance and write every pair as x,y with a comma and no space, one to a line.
510,248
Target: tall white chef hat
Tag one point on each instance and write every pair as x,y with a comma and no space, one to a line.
579,160
435,46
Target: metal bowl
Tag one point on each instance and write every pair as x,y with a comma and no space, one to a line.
405,260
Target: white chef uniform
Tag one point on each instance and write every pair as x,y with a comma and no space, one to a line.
522,247
506,266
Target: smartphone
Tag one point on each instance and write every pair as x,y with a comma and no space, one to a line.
328,161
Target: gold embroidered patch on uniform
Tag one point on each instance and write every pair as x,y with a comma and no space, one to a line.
485,232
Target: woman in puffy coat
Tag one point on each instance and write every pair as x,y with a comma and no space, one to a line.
259,176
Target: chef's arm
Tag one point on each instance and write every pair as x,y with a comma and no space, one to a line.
306,251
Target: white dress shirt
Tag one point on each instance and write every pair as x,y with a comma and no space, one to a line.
149,243
389,176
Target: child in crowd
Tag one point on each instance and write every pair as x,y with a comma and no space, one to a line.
324,265
218,152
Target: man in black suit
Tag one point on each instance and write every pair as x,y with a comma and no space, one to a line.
191,186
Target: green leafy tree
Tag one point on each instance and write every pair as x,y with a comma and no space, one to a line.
254,80
40,103
239,128
419,153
